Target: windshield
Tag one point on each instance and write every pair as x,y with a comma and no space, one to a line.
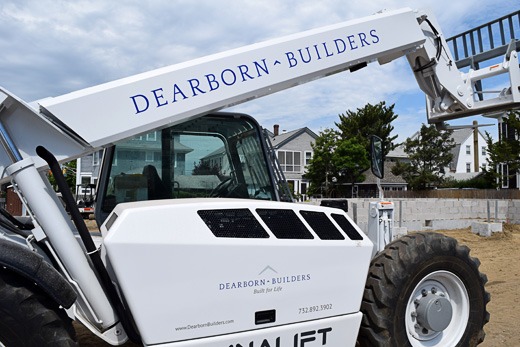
212,156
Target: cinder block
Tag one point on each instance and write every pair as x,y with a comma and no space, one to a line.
398,232
485,229
363,226
412,225
450,224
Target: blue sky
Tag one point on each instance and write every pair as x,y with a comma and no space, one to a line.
52,47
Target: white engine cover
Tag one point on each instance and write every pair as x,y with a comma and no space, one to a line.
195,268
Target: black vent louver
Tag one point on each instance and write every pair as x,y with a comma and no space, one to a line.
322,225
284,224
347,227
236,223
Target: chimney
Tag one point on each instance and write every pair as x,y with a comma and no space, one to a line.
276,128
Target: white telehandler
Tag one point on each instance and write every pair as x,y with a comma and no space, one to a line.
197,248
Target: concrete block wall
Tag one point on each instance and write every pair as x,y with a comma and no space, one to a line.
436,214
513,212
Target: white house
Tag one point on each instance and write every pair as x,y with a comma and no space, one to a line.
465,163
469,154
87,170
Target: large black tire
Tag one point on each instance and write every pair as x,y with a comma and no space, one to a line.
30,319
405,282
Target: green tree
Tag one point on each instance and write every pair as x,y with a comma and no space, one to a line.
351,159
320,169
335,161
504,153
477,182
341,156
429,154
367,121
205,168
69,171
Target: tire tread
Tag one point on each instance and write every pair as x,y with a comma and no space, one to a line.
32,319
391,267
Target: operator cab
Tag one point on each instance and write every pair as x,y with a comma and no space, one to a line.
219,155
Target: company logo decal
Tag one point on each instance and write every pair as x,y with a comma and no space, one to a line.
206,82
269,281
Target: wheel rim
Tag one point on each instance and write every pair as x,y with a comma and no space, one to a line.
430,327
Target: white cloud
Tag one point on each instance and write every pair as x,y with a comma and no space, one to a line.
53,47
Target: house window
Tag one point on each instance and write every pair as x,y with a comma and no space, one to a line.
149,156
468,149
95,158
151,136
504,130
484,150
468,167
114,160
308,157
85,180
453,166
304,188
290,161
392,188
505,175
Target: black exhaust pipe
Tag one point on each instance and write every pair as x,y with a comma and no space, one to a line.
86,238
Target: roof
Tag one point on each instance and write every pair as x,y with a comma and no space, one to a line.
389,177
284,138
397,153
219,152
181,148
458,135
268,132
461,135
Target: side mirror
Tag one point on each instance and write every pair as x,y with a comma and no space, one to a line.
376,154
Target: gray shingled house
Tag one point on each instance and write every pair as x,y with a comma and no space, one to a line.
293,150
